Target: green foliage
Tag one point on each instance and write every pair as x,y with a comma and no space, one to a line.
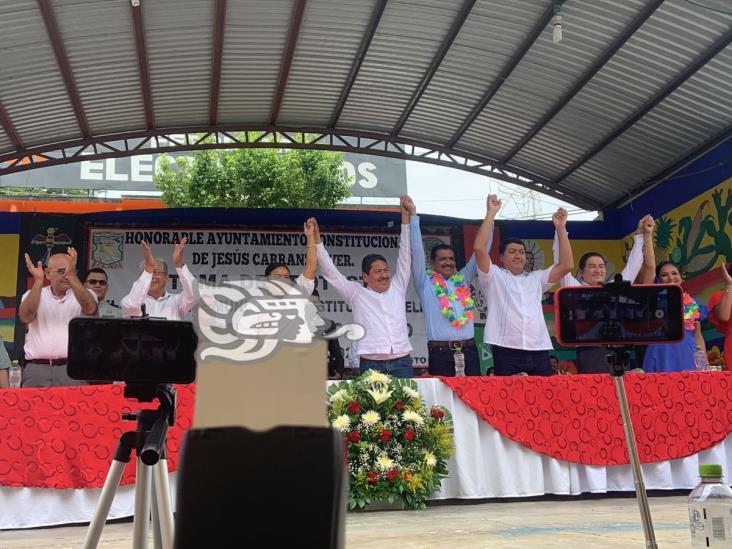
254,178
397,449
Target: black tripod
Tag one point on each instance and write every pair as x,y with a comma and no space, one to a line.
618,358
148,441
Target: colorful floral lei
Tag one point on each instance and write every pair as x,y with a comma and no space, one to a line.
692,313
445,298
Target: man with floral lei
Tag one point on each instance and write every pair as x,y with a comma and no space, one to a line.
447,305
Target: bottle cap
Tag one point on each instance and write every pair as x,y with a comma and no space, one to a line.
710,470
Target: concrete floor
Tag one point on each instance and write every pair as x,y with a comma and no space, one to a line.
608,522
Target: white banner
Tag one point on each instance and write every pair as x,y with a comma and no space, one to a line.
215,255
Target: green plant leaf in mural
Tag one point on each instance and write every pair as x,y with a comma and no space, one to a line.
664,232
724,214
689,254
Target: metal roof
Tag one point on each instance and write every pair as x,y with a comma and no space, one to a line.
635,90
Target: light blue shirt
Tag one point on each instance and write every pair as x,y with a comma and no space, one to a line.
438,327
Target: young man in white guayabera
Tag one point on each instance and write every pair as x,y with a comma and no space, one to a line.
379,306
446,303
149,289
515,326
47,312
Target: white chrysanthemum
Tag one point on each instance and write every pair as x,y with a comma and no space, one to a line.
384,462
371,417
377,377
342,423
380,395
430,459
411,393
338,395
414,417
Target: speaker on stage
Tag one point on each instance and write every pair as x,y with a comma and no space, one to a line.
285,487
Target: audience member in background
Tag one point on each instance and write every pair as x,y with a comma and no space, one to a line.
720,305
677,357
335,353
306,280
4,366
98,282
554,364
47,312
515,326
379,306
149,289
593,271
447,305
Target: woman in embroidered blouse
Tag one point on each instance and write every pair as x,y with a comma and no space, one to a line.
677,357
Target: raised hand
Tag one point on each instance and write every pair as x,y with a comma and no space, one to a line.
560,218
149,259
71,259
726,278
36,271
408,205
493,204
315,228
178,252
646,225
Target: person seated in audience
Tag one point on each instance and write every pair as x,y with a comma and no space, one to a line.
97,281
149,289
380,305
720,305
47,311
5,365
593,271
306,280
515,326
677,357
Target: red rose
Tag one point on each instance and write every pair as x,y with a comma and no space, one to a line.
354,436
353,407
393,474
372,477
406,475
409,435
385,435
399,405
437,413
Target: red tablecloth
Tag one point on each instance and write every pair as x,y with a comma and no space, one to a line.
577,418
65,437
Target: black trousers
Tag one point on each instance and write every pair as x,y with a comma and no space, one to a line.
509,362
442,362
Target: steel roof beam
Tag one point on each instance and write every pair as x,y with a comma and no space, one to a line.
358,60
457,24
217,54
298,11
662,94
506,71
143,65
589,74
54,36
10,130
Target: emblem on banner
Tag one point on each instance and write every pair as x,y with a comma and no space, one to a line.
49,240
107,250
246,319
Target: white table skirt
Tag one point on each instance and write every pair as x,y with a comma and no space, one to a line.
485,465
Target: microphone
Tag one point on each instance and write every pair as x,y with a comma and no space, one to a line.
143,309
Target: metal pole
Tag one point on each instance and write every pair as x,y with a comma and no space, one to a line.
640,488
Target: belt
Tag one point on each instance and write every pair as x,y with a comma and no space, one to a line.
48,361
452,345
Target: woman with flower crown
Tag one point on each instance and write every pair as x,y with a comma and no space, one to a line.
447,304
677,357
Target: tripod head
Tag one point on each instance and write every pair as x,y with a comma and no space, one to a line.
152,425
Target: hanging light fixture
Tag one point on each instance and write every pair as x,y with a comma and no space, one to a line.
557,23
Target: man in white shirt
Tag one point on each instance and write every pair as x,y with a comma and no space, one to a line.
379,306
98,282
47,312
515,326
149,289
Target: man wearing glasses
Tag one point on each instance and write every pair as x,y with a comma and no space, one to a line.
47,312
98,282
149,289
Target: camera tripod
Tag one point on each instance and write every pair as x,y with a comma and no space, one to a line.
148,442
617,360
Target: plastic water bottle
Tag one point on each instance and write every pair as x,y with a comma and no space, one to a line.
710,508
700,360
459,364
15,375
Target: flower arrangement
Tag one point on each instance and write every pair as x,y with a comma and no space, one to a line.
397,449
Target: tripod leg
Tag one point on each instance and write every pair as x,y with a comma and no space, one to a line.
141,519
157,535
164,505
105,503
640,488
